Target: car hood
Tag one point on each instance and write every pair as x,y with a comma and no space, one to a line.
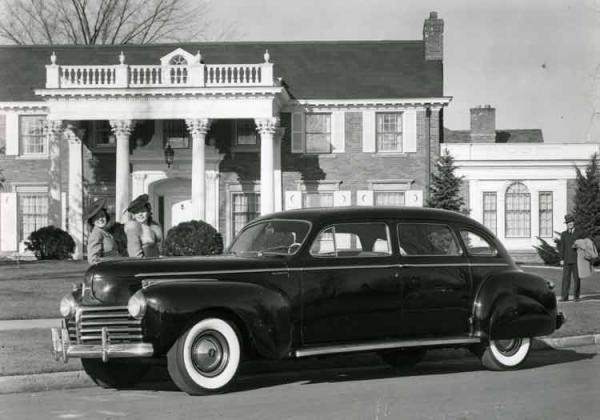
113,282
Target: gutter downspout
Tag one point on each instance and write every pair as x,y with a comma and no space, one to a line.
428,151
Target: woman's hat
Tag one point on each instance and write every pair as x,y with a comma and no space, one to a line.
95,208
569,218
139,204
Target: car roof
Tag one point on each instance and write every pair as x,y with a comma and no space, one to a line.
328,214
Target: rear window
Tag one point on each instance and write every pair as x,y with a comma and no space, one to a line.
420,239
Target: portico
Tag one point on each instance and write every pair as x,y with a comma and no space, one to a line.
180,88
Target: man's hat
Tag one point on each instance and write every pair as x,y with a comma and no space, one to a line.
95,208
569,218
139,204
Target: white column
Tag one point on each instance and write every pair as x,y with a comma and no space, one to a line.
75,208
198,129
278,185
55,132
122,129
267,127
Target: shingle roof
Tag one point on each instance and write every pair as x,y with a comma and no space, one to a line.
502,136
310,70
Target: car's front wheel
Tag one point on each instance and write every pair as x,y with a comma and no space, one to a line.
206,358
505,354
114,374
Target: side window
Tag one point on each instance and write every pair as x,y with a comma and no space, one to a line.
422,239
353,240
477,245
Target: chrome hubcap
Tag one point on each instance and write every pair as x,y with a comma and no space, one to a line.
210,353
508,347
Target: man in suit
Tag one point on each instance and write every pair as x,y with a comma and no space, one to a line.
568,260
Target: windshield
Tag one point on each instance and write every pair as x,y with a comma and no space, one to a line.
271,237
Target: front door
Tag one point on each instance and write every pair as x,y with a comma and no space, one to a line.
349,292
435,279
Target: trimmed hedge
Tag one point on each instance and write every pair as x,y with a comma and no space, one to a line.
549,253
50,243
193,238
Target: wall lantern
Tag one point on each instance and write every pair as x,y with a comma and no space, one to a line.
169,155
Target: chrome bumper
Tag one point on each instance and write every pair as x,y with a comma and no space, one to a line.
63,349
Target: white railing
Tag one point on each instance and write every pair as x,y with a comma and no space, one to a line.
139,76
233,74
87,76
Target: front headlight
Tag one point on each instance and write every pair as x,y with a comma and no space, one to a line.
137,305
67,306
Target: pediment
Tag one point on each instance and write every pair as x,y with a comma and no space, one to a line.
180,52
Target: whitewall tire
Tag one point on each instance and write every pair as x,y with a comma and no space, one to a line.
206,358
506,354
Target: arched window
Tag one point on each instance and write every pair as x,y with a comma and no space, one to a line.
517,211
178,60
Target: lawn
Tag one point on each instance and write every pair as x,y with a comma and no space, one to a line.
30,351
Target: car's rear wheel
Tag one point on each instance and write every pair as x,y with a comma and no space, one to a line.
403,358
206,358
505,354
114,373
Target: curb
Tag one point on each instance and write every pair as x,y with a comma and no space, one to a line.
79,379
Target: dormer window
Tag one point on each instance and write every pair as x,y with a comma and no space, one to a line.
178,60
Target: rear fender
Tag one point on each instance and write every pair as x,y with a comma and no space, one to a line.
264,313
513,304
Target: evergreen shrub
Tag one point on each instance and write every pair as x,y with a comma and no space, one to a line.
193,238
50,243
547,252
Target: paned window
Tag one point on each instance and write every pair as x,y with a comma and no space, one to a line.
353,240
518,211
176,134
546,216
33,210
389,131
245,133
245,208
317,199
102,134
490,211
389,198
31,133
318,133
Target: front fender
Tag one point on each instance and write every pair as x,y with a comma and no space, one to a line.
513,304
265,314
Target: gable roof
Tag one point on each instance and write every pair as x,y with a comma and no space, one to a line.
502,136
310,70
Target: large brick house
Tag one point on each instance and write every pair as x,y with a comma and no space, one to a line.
250,127
254,127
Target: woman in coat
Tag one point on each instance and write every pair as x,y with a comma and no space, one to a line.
101,244
143,234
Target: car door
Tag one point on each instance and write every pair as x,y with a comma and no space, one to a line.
349,292
435,280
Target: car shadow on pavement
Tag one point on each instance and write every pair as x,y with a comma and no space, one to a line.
357,368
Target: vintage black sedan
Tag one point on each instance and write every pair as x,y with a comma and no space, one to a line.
301,283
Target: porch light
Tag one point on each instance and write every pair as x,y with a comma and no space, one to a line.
169,155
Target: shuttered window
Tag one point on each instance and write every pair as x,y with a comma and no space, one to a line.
318,133
245,208
31,134
389,131
33,209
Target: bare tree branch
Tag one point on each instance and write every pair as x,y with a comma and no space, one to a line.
107,21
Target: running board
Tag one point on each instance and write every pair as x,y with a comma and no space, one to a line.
382,345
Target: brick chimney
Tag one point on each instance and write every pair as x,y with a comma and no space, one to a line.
483,124
433,36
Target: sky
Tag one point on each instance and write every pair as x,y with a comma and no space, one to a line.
535,61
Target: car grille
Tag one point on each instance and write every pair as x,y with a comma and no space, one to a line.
87,326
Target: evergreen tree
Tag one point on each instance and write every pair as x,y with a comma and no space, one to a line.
587,200
445,186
